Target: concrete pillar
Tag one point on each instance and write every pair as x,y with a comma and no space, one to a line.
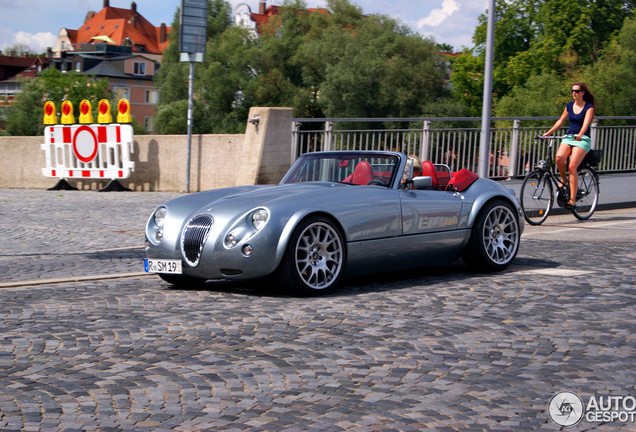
266,152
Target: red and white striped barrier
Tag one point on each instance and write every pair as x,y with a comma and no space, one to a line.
82,151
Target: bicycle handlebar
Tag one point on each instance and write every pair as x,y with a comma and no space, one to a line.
549,137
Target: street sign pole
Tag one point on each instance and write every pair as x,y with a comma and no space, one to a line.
193,25
484,144
190,98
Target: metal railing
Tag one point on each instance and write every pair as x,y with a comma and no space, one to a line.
513,149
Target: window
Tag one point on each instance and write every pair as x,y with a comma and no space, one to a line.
139,68
122,93
148,123
78,67
152,97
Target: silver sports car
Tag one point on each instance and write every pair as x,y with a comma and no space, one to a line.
335,214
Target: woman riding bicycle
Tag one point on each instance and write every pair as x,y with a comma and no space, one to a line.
577,142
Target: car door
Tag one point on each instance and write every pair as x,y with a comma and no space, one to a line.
429,211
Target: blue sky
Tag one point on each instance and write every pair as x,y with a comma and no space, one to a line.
36,23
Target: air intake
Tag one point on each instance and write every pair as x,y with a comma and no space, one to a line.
194,237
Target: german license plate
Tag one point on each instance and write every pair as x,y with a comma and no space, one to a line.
162,266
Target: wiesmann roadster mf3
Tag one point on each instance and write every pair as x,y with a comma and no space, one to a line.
335,214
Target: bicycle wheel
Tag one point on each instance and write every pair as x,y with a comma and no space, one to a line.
587,194
536,197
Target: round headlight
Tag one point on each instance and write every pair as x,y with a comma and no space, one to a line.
160,216
259,218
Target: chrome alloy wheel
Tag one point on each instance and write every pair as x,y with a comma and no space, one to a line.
501,235
319,255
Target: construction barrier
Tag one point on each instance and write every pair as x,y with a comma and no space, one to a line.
88,151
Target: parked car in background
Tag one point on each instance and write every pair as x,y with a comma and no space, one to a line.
335,214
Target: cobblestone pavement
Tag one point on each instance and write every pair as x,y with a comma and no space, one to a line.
436,349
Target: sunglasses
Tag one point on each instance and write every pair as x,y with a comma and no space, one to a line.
577,91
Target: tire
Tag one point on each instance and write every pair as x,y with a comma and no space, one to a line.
314,259
494,239
587,194
536,197
182,281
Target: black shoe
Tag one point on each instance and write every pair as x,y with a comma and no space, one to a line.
569,206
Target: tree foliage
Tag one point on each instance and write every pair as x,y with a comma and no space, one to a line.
25,114
337,64
551,43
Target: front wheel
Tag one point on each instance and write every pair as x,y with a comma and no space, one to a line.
494,239
314,259
536,197
587,194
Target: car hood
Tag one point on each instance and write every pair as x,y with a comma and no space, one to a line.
243,198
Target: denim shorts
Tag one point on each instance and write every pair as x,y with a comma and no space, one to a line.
585,143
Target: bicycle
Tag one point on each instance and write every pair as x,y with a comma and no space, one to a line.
537,195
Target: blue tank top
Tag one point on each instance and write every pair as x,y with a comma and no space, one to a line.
576,120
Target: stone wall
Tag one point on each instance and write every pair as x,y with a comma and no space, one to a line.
260,156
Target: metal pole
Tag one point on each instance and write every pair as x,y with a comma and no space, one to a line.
484,145
190,97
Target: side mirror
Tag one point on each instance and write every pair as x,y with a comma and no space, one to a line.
423,182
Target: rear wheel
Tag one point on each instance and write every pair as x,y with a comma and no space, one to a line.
494,239
536,197
314,260
587,194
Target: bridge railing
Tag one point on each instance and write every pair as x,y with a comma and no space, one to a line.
514,150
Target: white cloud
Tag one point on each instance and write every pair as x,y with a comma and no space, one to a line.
437,16
38,42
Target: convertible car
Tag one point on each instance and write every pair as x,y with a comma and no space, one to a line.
335,214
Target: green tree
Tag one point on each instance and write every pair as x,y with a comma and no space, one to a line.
370,66
341,64
25,115
218,80
539,37
540,96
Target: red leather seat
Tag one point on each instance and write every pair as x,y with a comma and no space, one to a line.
363,173
428,170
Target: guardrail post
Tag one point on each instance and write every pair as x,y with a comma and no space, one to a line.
426,137
295,138
328,136
514,149
594,132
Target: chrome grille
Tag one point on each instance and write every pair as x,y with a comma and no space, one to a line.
194,237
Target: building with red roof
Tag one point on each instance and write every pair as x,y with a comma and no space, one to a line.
119,45
115,26
257,21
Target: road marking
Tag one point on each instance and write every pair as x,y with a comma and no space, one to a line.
71,279
555,272
611,226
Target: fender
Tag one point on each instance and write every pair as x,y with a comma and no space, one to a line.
291,225
489,196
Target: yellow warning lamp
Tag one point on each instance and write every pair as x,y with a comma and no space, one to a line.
103,110
49,113
67,113
123,111
86,115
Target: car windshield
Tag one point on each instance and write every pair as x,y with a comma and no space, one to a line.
355,169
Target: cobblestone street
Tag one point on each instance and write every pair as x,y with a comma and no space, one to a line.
90,343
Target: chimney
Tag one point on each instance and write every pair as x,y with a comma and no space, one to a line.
133,7
106,3
261,8
133,20
162,33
